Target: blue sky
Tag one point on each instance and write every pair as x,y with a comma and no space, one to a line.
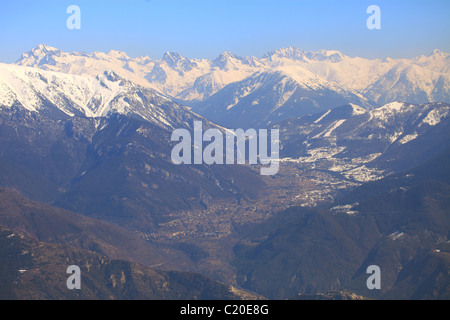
201,28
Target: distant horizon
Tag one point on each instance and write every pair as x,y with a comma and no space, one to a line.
204,28
199,57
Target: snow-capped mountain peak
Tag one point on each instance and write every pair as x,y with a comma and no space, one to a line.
296,54
227,61
120,55
379,81
437,52
43,48
289,53
172,57
41,54
224,59
59,95
176,61
80,63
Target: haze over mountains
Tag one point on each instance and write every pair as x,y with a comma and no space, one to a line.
85,140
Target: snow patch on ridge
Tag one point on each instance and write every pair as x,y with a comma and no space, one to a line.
408,138
435,116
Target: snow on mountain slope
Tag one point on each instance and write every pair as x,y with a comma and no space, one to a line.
353,74
174,74
272,96
67,95
410,82
308,82
418,80
79,63
366,145
202,77
437,61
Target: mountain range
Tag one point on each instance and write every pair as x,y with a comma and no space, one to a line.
81,135
234,91
86,174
